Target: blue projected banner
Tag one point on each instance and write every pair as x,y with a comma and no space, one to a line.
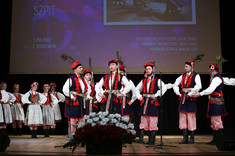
165,31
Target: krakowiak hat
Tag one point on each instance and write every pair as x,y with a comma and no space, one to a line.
149,64
113,61
75,65
215,66
86,71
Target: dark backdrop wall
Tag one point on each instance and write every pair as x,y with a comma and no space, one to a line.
170,100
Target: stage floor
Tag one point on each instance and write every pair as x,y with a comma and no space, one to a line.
24,145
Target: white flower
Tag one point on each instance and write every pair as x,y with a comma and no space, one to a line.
111,116
123,126
114,121
96,119
102,122
93,114
131,126
81,124
105,119
118,124
124,119
117,115
89,121
86,117
101,116
100,112
133,132
93,124
105,113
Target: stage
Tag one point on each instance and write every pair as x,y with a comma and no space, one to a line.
24,145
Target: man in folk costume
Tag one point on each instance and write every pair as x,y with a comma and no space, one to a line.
91,103
128,100
189,82
17,110
34,112
112,84
47,110
61,98
76,90
216,107
149,112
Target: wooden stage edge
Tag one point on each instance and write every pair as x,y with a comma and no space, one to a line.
25,145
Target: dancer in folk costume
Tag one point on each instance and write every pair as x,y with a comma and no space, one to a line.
34,112
4,98
6,105
91,103
149,112
47,110
77,92
112,84
189,82
129,99
61,98
17,110
216,106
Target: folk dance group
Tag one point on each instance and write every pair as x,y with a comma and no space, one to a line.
112,93
43,109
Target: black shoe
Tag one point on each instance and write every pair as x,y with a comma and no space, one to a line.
185,135
152,137
141,136
191,141
35,133
46,133
15,132
20,131
32,133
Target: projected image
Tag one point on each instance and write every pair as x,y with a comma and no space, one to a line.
149,12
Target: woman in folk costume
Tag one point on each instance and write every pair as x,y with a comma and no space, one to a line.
6,106
34,112
189,82
216,107
61,98
126,109
17,110
76,91
48,116
111,96
4,98
91,103
152,87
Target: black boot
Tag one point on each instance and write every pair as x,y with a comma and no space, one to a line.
141,136
52,131
32,133
15,132
212,142
191,141
46,133
20,131
35,133
185,135
152,137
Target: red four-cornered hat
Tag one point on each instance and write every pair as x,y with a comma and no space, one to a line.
149,64
191,63
122,68
213,66
113,61
75,64
86,71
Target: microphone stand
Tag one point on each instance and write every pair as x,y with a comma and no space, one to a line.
161,118
69,125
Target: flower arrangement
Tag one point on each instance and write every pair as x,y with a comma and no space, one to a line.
102,128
